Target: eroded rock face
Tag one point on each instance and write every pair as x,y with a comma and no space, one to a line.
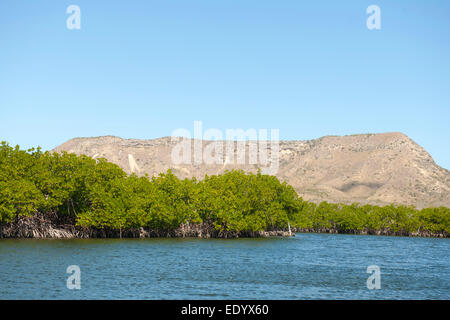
370,168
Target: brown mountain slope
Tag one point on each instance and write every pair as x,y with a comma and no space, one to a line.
370,168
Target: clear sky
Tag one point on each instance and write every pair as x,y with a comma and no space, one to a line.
141,69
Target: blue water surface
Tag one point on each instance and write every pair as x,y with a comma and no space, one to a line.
308,266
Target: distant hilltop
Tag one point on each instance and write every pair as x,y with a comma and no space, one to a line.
366,168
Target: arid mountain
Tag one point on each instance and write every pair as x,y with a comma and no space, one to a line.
370,168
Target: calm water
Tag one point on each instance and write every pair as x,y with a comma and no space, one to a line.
309,266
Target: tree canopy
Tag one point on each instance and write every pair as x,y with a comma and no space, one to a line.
99,194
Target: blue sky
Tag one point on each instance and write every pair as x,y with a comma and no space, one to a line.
141,69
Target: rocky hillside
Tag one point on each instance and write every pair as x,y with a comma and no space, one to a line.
369,168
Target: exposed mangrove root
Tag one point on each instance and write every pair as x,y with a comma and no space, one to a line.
386,232
40,226
52,227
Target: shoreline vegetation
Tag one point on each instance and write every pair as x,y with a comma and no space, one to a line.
51,195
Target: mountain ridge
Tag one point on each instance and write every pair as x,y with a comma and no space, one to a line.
375,168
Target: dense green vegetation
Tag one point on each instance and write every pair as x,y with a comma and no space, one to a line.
98,194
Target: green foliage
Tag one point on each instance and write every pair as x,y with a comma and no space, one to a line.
99,194
238,201
372,219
